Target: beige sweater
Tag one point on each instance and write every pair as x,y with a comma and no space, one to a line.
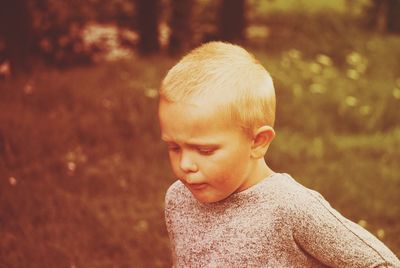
276,223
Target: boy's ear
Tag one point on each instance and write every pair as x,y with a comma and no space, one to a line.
262,138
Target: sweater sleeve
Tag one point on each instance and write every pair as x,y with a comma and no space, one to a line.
169,207
326,235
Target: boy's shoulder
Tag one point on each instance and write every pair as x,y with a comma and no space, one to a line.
177,193
285,196
282,186
177,187
295,193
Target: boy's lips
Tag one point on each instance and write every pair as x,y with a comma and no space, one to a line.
197,186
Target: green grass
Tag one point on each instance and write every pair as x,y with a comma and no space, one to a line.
83,172
307,6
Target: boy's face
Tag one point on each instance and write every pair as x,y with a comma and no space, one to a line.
208,153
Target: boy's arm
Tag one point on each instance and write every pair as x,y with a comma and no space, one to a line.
336,241
168,222
170,235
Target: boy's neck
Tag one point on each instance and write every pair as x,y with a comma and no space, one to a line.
260,172
263,171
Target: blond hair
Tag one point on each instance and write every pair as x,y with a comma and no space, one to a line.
226,72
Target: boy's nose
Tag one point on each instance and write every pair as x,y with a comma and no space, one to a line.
186,164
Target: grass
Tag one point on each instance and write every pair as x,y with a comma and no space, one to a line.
310,6
83,172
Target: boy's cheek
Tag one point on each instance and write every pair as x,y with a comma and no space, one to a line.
174,164
176,171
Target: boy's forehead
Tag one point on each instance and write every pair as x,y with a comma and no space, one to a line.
188,119
199,111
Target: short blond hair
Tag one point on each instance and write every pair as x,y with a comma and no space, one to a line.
227,72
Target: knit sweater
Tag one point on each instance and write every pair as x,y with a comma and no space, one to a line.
275,223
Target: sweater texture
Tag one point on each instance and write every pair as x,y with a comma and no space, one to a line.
275,223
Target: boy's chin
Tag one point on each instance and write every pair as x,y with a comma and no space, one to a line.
205,196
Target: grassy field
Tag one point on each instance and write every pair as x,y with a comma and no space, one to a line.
83,172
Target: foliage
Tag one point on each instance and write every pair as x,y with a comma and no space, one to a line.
58,26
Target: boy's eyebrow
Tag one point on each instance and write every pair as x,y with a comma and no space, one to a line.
191,144
202,145
166,138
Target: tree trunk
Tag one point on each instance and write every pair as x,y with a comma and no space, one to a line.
147,19
15,29
386,15
181,28
394,16
232,21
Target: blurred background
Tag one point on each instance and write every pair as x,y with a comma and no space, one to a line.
82,170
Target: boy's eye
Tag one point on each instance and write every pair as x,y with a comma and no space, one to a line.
205,151
173,148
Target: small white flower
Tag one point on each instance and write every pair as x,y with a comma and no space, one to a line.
351,101
151,93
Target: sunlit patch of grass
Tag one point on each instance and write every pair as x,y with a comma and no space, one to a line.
349,91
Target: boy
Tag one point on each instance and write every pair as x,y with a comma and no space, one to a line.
228,208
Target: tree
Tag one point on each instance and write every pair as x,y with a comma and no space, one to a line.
181,27
16,32
58,29
232,21
147,23
385,15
